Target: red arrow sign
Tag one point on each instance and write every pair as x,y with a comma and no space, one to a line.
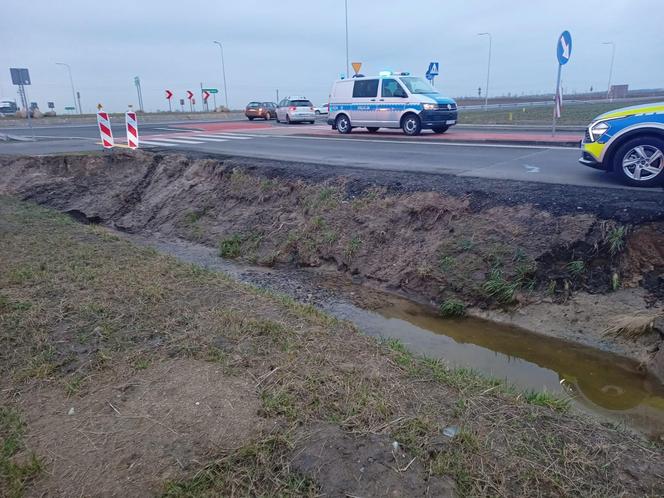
169,94
206,95
190,94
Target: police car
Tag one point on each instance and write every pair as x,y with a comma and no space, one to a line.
629,142
391,100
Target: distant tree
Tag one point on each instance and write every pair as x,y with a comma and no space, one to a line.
591,89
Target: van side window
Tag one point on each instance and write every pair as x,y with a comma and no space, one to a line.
365,88
391,88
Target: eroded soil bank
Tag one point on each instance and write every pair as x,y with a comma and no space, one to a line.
124,372
583,264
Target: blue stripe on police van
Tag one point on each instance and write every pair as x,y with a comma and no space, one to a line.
374,107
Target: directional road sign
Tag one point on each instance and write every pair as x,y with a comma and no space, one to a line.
169,95
206,95
564,50
69,108
433,69
210,90
190,94
20,76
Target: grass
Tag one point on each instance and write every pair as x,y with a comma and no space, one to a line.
14,473
498,288
308,369
452,308
260,468
543,398
230,247
616,239
576,268
353,246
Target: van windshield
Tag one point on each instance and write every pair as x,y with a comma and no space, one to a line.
417,85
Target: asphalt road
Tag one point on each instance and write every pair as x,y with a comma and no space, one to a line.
317,144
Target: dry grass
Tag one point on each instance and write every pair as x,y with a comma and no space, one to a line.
78,303
631,327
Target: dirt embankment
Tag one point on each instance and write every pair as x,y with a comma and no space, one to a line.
584,264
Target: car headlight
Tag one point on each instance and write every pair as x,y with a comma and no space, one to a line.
596,130
429,107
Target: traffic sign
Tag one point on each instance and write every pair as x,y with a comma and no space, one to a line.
210,90
169,95
564,49
51,105
181,101
206,95
433,69
131,123
99,107
20,76
69,108
356,66
190,94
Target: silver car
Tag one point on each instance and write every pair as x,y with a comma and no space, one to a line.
295,110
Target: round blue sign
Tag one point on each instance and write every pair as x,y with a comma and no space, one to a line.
564,50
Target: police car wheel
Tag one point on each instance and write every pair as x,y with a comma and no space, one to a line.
440,129
411,125
343,124
640,162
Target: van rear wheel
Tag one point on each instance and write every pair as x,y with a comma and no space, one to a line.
411,125
343,124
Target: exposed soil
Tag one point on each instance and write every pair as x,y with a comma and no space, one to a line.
551,256
133,340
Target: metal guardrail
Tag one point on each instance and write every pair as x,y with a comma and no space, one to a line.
549,103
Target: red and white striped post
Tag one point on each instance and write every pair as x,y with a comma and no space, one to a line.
104,123
132,129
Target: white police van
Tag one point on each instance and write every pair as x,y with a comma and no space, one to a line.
392,100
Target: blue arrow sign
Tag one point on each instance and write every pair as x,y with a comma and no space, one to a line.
433,69
564,50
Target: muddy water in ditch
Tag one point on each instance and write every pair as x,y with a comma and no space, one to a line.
601,383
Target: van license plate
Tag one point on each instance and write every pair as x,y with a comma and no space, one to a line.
450,122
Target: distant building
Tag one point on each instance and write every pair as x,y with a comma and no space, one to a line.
618,91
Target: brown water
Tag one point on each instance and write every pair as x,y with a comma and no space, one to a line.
598,382
605,384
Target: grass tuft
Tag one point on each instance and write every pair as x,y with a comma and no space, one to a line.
14,474
452,308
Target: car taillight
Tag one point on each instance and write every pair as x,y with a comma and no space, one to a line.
293,108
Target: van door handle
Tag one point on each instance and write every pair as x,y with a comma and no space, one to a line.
373,100
382,100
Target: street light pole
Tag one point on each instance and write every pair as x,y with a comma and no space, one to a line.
347,59
223,73
71,80
488,73
613,55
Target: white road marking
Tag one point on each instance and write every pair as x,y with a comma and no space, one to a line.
207,138
179,140
151,142
227,135
531,169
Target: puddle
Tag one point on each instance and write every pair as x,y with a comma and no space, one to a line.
598,382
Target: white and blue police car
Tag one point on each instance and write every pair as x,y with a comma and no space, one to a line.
391,100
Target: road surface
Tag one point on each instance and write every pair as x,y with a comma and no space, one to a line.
319,144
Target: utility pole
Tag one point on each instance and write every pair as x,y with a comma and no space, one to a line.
488,72
613,55
223,73
277,96
71,81
78,97
347,59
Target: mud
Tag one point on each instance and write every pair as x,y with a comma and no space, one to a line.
545,257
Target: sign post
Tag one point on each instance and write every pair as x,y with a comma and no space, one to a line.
105,132
563,52
21,78
214,92
182,105
190,97
432,72
131,123
169,96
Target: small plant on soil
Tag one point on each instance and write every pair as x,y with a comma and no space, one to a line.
452,308
353,246
616,240
576,268
466,245
499,288
615,282
424,270
446,263
542,398
14,474
191,217
230,247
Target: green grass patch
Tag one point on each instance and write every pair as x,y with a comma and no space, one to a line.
543,398
14,473
498,288
452,308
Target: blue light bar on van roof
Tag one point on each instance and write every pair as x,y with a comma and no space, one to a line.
393,73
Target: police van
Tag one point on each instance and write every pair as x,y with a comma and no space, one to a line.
391,100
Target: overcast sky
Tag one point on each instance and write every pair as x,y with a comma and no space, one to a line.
298,46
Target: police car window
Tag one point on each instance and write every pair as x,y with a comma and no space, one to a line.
417,85
365,88
391,88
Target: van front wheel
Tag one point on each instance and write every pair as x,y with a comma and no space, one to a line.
343,124
411,125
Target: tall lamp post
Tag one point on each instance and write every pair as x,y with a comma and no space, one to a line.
223,72
613,55
347,65
488,72
71,80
